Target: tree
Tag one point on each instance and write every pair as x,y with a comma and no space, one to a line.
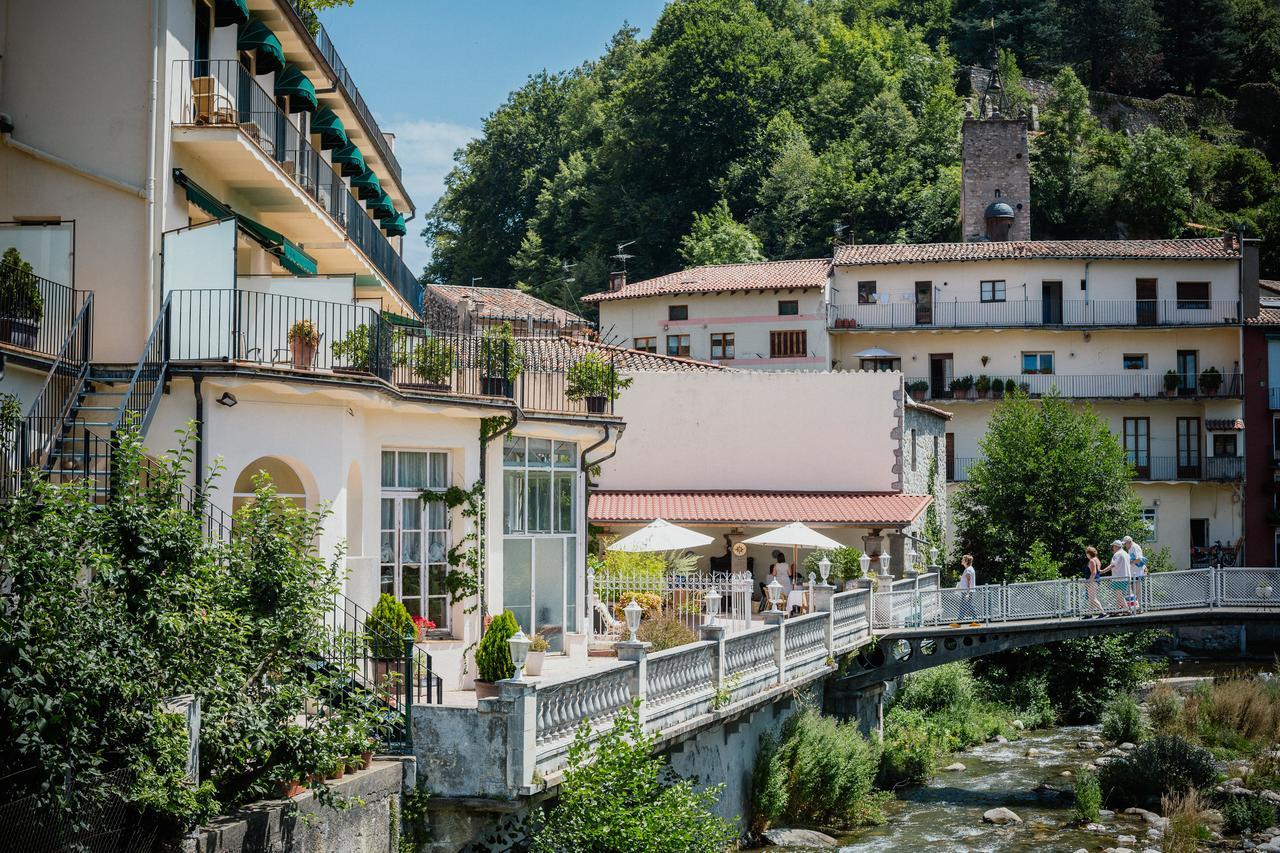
1154,199
1202,44
1114,43
620,797
717,238
1071,181
1031,27
1048,473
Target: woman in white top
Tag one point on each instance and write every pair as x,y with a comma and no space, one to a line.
968,583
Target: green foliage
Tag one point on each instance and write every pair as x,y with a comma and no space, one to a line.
501,356
493,655
1166,764
665,632
1247,814
10,421
432,360
20,297
592,376
716,238
617,796
821,772
844,564
909,752
389,625
1122,720
1050,473
625,564
938,689
1038,565
359,349
465,559
1088,797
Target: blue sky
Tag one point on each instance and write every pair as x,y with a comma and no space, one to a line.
431,70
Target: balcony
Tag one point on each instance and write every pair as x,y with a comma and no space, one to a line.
1223,469
1125,313
1120,386
310,338
223,116
36,314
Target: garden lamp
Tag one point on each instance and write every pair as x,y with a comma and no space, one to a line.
824,568
864,563
933,556
775,595
519,645
633,612
884,564
712,601
911,557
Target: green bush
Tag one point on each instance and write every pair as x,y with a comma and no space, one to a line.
432,361
388,626
1164,709
821,772
1027,697
20,297
1122,720
844,564
938,689
665,632
909,751
1088,797
1247,814
1166,764
628,565
493,655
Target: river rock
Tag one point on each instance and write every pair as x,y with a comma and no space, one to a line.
1083,850
799,838
999,739
1000,816
1127,839
1018,724
1128,747
1154,834
1094,827
1032,752
1065,773
954,768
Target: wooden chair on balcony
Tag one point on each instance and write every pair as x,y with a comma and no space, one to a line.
210,105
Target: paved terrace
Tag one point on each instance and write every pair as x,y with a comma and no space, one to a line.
518,744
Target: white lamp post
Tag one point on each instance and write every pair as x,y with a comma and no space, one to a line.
884,564
712,600
519,646
775,595
633,612
864,562
933,556
911,557
824,568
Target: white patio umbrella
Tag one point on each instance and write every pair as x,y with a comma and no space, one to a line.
660,535
797,535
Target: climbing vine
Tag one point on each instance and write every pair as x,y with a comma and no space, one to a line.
465,559
932,522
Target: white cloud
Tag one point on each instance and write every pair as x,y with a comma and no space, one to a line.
425,151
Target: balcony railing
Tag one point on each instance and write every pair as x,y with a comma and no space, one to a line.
1205,468
310,336
222,93
1033,312
1118,386
36,314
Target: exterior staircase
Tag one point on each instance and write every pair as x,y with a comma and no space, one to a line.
83,449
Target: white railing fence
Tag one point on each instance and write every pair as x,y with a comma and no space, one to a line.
681,597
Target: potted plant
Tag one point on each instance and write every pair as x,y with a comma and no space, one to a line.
961,387
1172,379
361,351
432,360
593,379
997,388
388,627
304,337
983,385
918,389
21,305
424,627
1210,381
501,361
538,646
493,655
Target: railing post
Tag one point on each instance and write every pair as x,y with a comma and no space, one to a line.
521,697
637,652
715,633
408,691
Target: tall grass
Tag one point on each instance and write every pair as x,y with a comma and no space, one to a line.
1186,815
1233,718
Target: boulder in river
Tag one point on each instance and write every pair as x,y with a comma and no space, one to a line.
954,768
1032,752
1018,724
1128,747
1000,816
799,838
1127,839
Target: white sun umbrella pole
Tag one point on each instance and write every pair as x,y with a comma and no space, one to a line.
798,536
660,535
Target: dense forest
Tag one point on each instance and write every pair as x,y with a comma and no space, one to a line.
749,129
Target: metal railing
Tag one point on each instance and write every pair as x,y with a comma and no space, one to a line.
1216,468
222,93
679,597
1096,386
1035,312
35,313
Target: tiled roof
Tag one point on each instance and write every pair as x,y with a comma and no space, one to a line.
1203,248
757,507
768,275
557,353
1266,317
1270,285
505,302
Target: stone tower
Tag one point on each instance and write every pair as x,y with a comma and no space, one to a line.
995,192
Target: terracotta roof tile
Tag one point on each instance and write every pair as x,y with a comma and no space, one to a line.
1203,248
768,275
557,354
756,507
504,302
1270,285
1266,317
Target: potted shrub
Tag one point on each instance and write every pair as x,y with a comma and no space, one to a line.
1210,381
360,351
432,361
304,337
918,389
501,361
1172,379
493,655
983,385
997,388
593,379
538,646
21,305
388,627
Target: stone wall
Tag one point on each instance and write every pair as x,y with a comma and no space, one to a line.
929,453
462,752
997,167
304,825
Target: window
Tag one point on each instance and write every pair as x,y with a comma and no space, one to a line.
880,363
677,312
200,52
992,291
1037,362
1188,447
1188,370
288,484
413,469
1135,361
1224,444
1149,524
539,485
649,344
678,345
867,293
722,345
789,344
1199,533
414,533
1193,295
1137,444
788,307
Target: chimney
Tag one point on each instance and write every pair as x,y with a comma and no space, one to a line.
617,281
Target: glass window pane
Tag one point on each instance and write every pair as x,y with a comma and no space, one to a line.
388,468
540,502
549,591
388,514
513,451
410,515
539,453
437,516
513,502
438,611
571,583
565,516
413,605
517,580
410,548
437,546
439,471
410,582
387,548
413,470
566,454
387,580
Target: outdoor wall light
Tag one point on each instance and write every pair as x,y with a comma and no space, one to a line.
712,601
884,564
911,557
519,645
775,596
864,562
824,568
933,556
633,612
227,399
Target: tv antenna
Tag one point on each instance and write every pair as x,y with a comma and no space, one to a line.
622,257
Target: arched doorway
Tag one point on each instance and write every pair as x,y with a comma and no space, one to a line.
286,480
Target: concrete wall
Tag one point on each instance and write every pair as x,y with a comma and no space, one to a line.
462,752
750,316
758,430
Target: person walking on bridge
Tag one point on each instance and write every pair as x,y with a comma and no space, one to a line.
968,586
1092,569
1137,568
1119,571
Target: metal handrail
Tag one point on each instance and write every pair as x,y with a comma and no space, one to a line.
58,311
155,355
1141,384
960,314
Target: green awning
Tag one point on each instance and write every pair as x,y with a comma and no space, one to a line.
295,260
257,37
381,207
229,12
394,226
366,184
350,161
292,82
326,123
200,197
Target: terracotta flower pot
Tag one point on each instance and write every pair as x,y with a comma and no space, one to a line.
303,353
486,689
289,789
367,758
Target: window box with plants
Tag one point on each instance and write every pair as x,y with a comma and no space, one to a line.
389,628
1210,381
21,305
304,339
493,655
918,389
595,381
430,360
962,387
501,361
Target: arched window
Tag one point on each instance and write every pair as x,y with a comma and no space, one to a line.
287,482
